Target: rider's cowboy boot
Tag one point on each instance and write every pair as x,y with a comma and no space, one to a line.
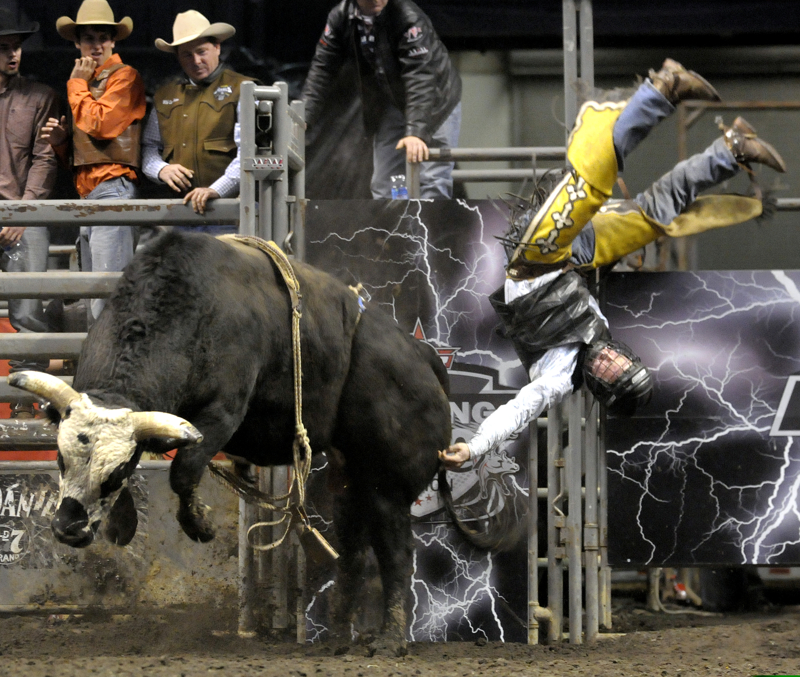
678,84
746,147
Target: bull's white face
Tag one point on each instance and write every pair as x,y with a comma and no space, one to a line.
96,448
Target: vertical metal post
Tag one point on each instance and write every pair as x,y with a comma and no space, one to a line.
590,529
246,572
299,600
605,570
555,523
281,124
570,38
413,179
279,573
247,184
572,458
298,189
586,19
533,532
265,210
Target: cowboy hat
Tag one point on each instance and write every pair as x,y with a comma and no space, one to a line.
8,24
93,13
192,25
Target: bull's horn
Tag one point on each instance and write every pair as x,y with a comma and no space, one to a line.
159,424
46,386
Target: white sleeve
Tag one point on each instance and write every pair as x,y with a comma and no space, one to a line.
152,147
552,381
227,185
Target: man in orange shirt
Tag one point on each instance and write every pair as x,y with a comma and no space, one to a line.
107,101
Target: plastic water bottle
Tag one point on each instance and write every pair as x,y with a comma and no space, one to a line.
13,251
399,190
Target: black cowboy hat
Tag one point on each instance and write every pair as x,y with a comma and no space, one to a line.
9,26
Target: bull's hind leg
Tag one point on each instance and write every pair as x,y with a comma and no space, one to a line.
392,542
351,529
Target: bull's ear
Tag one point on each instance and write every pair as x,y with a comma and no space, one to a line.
157,424
122,519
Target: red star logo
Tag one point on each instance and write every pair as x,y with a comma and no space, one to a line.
447,353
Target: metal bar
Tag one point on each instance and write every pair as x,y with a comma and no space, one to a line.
279,573
533,533
605,569
496,174
788,204
296,162
413,183
264,220
555,517
298,187
726,105
27,434
281,125
590,528
570,40
66,345
273,93
554,153
247,181
572,457
247,572
586,18
60,284
123,212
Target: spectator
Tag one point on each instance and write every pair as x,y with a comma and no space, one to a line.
545,307
107,102
28,170
191,140
410,91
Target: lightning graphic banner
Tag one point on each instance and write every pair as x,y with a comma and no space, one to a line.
709,471
432,265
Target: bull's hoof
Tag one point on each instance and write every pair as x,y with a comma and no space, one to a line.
195,525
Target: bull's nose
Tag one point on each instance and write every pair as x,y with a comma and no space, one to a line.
71,524
74,539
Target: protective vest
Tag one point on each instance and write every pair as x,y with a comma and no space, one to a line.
123,150
197,122
557,314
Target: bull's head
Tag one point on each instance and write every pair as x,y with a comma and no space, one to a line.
98,449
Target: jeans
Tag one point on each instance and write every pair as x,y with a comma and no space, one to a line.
27,315
645,109
436,178
107,249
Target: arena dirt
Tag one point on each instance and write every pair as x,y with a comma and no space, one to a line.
202,642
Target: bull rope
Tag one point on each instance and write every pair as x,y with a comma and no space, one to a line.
293,511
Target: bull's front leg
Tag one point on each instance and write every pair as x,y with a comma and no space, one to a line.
185,474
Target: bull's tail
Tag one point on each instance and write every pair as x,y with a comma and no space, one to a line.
503,530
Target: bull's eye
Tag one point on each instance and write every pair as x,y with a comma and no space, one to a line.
83,438
67,412
60,462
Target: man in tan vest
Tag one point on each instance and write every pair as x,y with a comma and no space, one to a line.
107,102
191,140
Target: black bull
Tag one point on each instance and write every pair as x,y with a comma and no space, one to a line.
201,328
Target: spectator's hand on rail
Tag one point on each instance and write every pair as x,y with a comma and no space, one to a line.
416,148
177,177
199,197
455,455
54,131
84,68
10,235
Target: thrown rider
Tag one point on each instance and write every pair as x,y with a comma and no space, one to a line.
545,306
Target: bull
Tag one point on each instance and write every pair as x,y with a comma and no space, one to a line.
194,351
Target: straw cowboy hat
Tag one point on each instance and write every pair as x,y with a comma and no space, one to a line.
9,26
93,13
192,25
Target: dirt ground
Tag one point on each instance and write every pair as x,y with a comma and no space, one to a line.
183,643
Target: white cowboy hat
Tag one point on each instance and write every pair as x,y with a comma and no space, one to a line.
192,25
94,13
